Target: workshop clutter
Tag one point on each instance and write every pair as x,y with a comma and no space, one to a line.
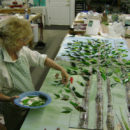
35,32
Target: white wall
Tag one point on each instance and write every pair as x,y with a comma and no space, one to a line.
57,11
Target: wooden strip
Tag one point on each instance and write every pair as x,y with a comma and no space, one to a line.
99,102
84,115
110,114
99,96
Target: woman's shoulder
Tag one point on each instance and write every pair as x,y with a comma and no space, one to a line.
25,50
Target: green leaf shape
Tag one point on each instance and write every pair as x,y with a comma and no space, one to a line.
72,58
94,70
86,72
80,108
117,79
103,72
77,107
89,42
128,62
57,96
68,85
103,75
25,102
73,64
121,50
76,53
121,42
37,103
78,94
57,83
117,70
114,60
106,64
86,46
124,60
125,81
93,61
65,97
73,88
67,90
102,57
122,76
102,69
72,72
86,63
67,108
80,83
124,55
113,52
88,53
69,43
69,70
129,76
109,73
86,77
66,112
119,63
73,104
113,85
74,68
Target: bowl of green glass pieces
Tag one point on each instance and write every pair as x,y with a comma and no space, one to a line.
33,100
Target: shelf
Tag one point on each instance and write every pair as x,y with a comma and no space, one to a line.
80,5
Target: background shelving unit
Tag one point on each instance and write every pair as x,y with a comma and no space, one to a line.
80,5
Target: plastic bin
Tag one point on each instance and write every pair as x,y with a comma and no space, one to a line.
39,2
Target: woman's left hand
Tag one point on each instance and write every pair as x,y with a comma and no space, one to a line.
12,98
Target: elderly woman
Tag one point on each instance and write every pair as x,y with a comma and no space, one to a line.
15,61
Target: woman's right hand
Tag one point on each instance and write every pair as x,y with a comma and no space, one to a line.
65,76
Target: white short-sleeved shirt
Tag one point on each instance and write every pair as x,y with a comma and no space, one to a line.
15,76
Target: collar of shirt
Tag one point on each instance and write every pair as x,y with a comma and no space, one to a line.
6,56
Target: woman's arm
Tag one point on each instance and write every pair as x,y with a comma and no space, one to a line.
5,98
52,64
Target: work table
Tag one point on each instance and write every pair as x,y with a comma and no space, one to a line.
52,118
61,114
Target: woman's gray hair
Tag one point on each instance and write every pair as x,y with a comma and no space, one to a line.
13,29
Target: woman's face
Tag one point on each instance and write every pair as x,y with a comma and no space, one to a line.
22,42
